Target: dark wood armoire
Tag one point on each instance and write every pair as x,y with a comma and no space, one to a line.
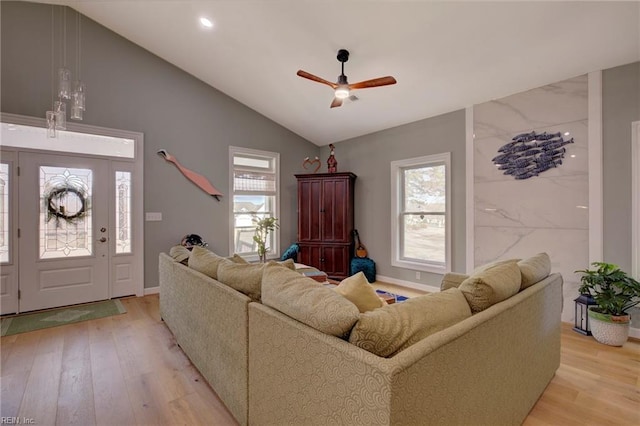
325,221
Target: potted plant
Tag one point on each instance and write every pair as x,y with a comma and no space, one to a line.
263,227
614,292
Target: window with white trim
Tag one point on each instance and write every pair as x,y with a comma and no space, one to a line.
420,216
255,184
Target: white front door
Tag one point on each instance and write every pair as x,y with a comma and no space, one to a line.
63,205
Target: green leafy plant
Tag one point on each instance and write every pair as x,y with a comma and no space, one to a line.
263,227
613,290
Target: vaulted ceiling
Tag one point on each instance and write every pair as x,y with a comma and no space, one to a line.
444,55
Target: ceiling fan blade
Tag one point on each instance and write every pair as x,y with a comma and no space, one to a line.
315,78
376,82
336,102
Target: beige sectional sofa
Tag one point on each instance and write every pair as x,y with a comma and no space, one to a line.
274,368
210,323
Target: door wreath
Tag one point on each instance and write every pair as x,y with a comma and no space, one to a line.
57,204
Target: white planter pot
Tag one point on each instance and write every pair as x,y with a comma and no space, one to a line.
608,331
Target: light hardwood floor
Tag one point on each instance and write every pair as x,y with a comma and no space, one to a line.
127,369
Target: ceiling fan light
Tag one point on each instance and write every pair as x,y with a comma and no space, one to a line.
342,92
206,22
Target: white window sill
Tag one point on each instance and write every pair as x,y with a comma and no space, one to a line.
418,266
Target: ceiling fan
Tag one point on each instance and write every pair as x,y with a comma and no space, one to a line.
342,87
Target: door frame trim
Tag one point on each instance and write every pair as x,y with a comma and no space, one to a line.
635,200
138,183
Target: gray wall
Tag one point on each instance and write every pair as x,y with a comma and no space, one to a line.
131,89
370,156
620,107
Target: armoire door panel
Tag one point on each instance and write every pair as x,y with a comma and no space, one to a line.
309,202
328,210
336,261
311,255
336,211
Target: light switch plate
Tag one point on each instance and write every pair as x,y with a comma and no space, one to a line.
153,216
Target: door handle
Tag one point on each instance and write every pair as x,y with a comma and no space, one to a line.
103,239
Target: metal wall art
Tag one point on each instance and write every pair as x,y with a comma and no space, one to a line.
529,154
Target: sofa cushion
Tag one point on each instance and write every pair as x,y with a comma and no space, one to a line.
307,301
180,254
289,264
206,261
492,285
452,279
247,277
490,265
358,291
392,328
236,258
534,269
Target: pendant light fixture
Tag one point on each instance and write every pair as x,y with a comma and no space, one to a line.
64,79
79,89
57,117
51,115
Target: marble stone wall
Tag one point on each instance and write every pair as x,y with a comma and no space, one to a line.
545,213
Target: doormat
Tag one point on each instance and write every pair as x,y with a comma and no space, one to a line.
23,323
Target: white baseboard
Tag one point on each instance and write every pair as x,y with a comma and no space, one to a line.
409,284
151,290
634,332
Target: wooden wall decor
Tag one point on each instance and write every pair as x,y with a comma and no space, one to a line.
199,180
309,164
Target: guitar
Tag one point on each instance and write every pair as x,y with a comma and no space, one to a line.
361,250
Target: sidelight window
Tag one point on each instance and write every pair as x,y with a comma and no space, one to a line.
4,212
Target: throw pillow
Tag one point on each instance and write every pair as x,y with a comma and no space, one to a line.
206,261
357,289
534,269
291,252
307,301
180,254
392,328
492,285
452,279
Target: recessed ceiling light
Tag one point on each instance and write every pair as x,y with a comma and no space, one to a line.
572,156
567,133
206,22
582,207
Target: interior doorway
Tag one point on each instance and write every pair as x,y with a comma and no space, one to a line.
71,228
